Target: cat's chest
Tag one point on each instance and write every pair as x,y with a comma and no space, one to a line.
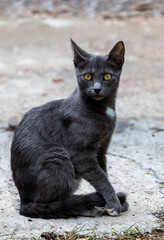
88,130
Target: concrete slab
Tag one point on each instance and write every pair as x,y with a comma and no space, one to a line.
127,172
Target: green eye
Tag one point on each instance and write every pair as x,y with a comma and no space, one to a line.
107,76
88,76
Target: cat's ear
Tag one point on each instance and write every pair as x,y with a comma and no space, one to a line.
79,54
117,53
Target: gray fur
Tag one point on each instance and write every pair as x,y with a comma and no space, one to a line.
57,144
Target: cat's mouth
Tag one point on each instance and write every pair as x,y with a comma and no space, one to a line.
97,97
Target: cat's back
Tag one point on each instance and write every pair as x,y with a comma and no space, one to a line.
37,129
39,118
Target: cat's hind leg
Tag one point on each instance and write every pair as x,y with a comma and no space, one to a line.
53,197
56,179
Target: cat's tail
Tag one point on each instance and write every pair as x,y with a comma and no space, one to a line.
122,197
75,205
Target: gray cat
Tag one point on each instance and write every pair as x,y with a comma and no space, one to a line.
57,144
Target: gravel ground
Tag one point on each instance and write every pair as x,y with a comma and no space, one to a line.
36,67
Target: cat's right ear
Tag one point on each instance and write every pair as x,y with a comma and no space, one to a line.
80,55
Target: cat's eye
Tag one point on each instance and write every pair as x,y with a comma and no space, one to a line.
107,76
88,76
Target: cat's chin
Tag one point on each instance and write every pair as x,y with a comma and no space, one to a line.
97,98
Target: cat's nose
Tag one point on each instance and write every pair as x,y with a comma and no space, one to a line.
97,90
97,87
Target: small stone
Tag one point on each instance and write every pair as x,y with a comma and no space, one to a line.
13,123
57,80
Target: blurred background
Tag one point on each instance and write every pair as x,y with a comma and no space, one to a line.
107,8
36,59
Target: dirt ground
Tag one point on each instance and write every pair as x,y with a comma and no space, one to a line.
36,67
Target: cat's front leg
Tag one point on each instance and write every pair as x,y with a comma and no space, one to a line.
91,171
101,158
109,207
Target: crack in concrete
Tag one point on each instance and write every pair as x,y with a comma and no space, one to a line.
160,181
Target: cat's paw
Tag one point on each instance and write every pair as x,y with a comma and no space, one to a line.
113,208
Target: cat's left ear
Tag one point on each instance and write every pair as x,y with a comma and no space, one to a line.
117,53
80,55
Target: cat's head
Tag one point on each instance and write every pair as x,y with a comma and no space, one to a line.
97,75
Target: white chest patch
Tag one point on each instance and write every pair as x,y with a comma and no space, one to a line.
110,113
